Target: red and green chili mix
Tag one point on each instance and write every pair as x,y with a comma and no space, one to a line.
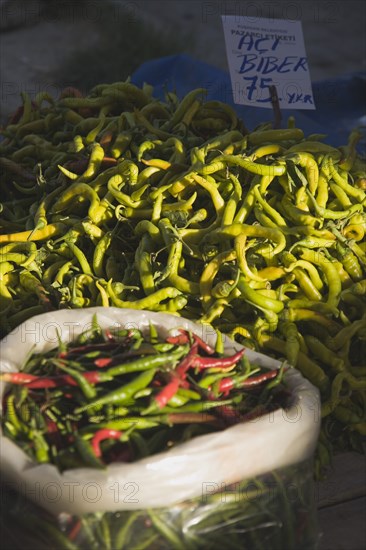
119,396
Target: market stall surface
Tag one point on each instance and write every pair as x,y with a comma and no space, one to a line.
335,39
341,503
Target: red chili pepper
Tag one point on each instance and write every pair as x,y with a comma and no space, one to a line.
40,382
203,345
228,414
227,384
185,337
51,382
178,340
18,377
217,362
109,335
102,346
100,436
78,166
93,377
74,530
105,141
259,379
107,162
162,398
51,426
103,362
186,362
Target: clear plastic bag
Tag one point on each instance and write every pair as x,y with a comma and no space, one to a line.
274,511
195,492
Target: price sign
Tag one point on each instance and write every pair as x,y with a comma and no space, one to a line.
267,52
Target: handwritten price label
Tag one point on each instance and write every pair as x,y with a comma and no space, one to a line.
267,52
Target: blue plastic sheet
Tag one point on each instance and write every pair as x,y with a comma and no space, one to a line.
340,102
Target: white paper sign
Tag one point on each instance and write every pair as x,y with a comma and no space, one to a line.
267,52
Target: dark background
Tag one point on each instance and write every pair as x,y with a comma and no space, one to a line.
45,45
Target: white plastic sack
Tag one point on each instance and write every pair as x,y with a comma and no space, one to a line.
242,451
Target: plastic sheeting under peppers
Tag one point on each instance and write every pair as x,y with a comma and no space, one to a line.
284,437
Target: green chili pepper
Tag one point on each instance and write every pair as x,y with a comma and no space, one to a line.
324,354
254,297
123,394
330,272
253,167
88,389
147,302
85,450
306,366
352,191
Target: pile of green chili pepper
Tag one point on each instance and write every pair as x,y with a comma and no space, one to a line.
119,198
118,396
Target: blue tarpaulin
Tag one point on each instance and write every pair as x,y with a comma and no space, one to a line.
340,102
